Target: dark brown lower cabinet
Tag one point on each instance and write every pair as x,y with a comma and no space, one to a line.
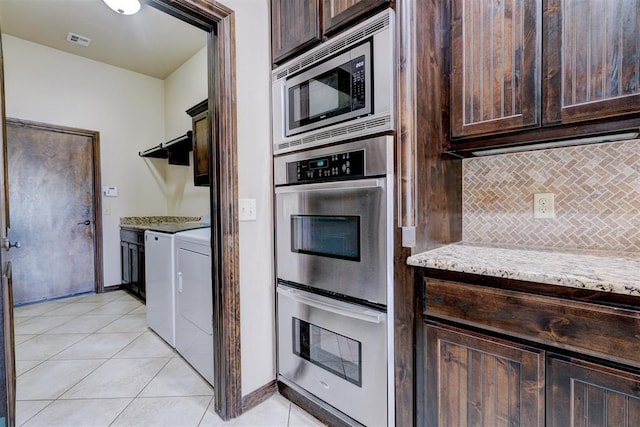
132,261
496,352
585,394
472,380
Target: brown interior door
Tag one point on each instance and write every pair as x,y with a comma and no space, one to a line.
7,360
51,193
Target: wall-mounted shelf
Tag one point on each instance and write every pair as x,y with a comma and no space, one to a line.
176,150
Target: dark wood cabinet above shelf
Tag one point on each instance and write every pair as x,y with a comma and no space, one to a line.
201,125
176,151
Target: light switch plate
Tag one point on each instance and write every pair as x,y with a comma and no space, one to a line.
247,209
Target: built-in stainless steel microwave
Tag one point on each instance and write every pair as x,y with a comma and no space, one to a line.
342,89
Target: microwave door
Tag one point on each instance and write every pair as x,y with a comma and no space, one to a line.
332,92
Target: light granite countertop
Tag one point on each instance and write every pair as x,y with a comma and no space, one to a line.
145,222
616,272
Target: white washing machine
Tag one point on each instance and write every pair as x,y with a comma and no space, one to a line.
194,300
159,281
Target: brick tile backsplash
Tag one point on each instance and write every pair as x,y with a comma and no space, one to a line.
597,197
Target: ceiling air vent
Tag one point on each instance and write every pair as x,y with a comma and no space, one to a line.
78,39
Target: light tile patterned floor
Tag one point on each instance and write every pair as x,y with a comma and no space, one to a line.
92,361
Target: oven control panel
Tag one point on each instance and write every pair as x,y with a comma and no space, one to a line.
327,168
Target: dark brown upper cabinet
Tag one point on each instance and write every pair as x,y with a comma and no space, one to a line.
201,125
534,74
338,14
295,26
592,66
298,25
496,63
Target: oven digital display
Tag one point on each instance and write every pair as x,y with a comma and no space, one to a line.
340,355
325,235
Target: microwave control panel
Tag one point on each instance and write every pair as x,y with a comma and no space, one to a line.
358,86
327,168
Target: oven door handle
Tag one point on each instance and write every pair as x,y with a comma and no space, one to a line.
302,297
336,185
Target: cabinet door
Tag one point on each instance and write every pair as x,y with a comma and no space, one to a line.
141,272
135,267
201,149
125,263
471,379
592,68
496,66
337,14
586,394
295,25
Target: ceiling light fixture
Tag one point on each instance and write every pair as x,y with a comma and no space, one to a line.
124,7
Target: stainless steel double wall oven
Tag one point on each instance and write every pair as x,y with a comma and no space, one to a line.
333,224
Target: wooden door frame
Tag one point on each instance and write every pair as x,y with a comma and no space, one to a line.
219,23
94,137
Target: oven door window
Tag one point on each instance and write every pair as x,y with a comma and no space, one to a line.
333,352
328,236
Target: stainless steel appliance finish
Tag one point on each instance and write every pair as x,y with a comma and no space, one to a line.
335,351
331,235
341,89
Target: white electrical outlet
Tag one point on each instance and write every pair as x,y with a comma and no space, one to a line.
543,206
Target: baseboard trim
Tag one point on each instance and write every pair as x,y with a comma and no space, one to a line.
258,396
325,416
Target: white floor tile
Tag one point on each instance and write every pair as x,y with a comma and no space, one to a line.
19,339
42,347
23,366
28,408
273,412
73,309
140,310
37,309
117,378
85,324
52,378
177,378
83,412
146,345
164,411
119,306
300,418
97,346
126,323
40,324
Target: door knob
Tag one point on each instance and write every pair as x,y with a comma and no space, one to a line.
85,222
8,244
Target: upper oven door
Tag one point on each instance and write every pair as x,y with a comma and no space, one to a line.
332,236
331,92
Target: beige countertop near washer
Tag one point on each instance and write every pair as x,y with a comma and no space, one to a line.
616,272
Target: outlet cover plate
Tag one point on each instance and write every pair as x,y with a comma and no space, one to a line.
544,206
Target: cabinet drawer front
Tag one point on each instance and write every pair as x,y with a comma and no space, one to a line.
132,236
592,329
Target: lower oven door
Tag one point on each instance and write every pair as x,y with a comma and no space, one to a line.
336,351
332,237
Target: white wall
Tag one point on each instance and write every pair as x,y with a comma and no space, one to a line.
127,108
183,89
134,112
257,283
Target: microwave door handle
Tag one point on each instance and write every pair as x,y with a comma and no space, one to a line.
339,185
364,314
